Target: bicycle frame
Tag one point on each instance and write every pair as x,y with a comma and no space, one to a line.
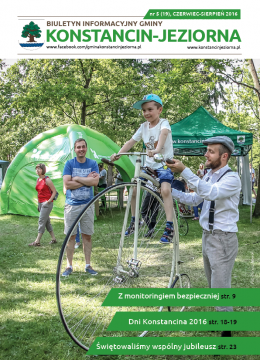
137,180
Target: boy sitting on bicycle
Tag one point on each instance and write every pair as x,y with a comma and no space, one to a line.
156,134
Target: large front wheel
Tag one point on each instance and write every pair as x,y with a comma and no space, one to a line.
81,295
181,281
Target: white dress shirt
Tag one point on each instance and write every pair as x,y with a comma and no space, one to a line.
225,193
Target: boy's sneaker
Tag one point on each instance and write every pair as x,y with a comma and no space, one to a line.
67,272
90,270
167,236
77,245
131,229
149,233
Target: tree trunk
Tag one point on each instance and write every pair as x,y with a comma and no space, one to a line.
31,38
83,113
256,81
257,203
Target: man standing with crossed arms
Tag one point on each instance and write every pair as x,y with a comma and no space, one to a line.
79,176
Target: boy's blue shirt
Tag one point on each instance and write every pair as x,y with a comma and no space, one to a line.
74,168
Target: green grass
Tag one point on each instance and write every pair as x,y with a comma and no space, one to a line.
29,320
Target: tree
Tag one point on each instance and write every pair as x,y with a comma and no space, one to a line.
2,64
31,31
36,95
242,111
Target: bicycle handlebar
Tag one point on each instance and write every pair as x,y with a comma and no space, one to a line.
133,153
169,161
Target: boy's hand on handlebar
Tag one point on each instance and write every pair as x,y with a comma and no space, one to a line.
151,153
175,165
114,157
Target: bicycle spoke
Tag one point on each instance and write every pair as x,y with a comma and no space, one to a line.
81,295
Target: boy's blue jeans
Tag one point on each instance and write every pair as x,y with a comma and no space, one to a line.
164,175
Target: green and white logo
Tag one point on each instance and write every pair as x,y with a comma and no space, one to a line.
241,139
31,31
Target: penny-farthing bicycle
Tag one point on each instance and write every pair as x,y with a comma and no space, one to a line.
135,261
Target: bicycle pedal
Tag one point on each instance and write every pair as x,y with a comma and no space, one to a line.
119,280
134,263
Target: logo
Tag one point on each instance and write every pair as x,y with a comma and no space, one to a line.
241,139
31,31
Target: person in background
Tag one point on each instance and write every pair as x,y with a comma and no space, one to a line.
119,180
182,207
46,193
196,211
252,173
200,171
102,184
102,176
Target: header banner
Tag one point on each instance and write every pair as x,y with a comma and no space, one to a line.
102,30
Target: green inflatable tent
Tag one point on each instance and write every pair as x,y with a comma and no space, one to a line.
188,134
53,148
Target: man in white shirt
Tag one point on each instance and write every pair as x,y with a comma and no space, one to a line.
221,186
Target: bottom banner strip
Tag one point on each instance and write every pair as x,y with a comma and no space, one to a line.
175,346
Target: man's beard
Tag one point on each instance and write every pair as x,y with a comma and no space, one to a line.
215,164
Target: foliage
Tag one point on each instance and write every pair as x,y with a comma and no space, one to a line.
96,93
37,95
242,113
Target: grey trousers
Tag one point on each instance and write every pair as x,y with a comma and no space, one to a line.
44,218
219,251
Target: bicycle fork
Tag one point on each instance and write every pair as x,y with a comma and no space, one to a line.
133,263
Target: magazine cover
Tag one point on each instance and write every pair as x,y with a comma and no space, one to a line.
129,171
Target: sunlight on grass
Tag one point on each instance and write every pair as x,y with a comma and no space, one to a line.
30,324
